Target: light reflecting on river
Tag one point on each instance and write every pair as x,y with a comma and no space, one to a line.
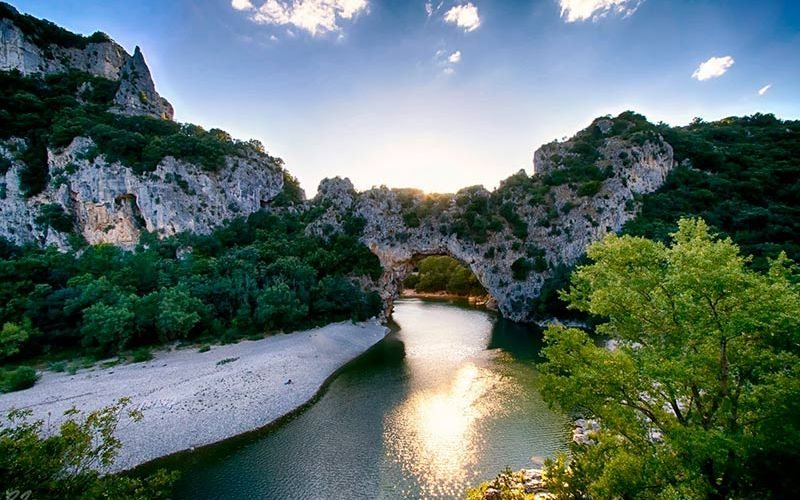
447,401
435,436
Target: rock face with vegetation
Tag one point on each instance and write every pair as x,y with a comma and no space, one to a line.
89,154
516,236
107,202
38,47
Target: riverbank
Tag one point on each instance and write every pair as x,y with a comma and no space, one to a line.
191,399
474,300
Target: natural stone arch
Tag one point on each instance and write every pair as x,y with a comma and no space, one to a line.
398,267
530,224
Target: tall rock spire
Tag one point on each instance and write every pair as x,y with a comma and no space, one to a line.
137,93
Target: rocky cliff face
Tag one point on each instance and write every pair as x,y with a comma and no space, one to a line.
19,52
109,203
554,223
22,50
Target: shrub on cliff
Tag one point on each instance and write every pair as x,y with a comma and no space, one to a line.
44,33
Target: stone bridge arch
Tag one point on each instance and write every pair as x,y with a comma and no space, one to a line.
514,238
398,265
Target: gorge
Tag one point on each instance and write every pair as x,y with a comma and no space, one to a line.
511,238
186,269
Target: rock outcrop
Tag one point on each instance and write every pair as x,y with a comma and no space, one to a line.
109,203
137,94
553,223
24,47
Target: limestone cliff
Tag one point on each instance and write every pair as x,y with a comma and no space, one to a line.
129,178
109,203
514,237
33,46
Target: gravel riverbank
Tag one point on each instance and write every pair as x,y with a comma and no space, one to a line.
192,398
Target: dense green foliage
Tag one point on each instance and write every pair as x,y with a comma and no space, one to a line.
479,214
742,177
699,395
43,32
440,273
66,463
479,217
254,276
51,111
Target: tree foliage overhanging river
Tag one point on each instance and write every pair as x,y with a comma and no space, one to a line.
442,403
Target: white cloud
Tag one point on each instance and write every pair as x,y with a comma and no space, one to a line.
315,16
447,61
581,10
763,90
242,5
713,68
464,16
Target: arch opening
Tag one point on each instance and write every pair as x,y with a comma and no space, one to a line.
432,274
443,276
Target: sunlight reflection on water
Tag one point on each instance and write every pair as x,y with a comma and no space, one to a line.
445,402
435,435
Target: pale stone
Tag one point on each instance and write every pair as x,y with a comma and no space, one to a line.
580,220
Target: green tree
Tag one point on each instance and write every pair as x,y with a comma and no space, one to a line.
12,336
178,313
69,462
699,391
278,307
107,326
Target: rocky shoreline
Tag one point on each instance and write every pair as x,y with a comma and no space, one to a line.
530,483
191,399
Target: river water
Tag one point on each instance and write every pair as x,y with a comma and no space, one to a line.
444,402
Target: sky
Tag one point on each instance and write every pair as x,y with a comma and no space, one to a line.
441,95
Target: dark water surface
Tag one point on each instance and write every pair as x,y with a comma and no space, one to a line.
446,401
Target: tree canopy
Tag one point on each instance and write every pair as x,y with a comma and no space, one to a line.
697,390
441,273
254,276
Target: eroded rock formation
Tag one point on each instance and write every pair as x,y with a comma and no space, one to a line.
110,203
541,225
30,55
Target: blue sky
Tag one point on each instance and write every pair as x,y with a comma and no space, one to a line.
442,95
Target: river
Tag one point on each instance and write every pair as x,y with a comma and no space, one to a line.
447,400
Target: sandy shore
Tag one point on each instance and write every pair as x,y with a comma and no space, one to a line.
190,400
